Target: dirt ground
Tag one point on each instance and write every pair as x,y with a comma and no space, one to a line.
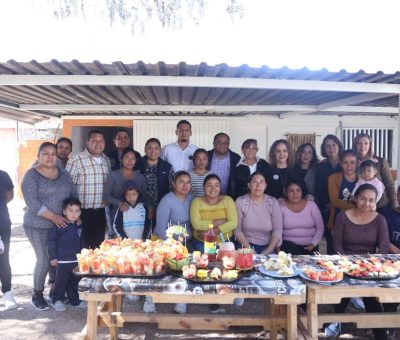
27,323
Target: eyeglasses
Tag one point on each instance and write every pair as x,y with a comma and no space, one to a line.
222,143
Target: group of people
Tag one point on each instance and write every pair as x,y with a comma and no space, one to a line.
287,203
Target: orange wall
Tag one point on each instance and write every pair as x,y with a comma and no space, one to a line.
69,123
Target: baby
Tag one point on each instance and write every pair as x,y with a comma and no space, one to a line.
369,171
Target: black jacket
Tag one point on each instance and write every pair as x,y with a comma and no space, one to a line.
64,243
234,160
164,169
242,175
116,162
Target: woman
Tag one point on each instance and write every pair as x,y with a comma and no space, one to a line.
331,148
279,159
341,185
157,172
216,209
63,149
303,226
113,187
199,172
393,220
173,210
44,188
213,208
248,164
304,167
362,145
6,195
175,206
361,230
259,218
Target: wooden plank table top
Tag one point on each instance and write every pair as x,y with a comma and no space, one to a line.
104,297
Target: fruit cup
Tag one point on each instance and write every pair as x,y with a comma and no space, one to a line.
244,259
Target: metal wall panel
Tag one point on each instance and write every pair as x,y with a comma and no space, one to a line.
203,131
382,140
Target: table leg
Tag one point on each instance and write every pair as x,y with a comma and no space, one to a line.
115,305
291,326
312,315
275,312
91,321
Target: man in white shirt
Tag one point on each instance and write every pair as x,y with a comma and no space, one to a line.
180,153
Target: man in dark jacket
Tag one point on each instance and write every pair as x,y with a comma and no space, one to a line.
222,162
121,142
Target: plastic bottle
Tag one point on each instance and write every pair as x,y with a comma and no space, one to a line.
210,244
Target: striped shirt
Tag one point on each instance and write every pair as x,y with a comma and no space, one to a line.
89,177
197,181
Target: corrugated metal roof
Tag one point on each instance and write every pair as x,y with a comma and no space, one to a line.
163,95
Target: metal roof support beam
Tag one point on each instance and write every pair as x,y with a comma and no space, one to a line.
205,82
361,98
298,109
14,106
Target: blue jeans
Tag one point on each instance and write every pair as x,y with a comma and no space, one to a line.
258,248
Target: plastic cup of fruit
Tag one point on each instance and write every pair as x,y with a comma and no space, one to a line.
177,265
226,249
244,259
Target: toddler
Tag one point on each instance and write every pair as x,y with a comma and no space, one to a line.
369,171
62,247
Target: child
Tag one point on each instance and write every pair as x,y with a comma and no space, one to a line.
132,223
369,171
62,246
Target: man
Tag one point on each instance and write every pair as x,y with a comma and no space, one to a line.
6,195
88,171
222,161
180,153
121,142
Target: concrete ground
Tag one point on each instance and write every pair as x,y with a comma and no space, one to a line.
27,323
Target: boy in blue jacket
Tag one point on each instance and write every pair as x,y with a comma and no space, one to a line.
62,247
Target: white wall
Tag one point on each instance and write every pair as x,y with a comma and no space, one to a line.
266,129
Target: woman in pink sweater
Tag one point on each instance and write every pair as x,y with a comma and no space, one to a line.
259,218
303,226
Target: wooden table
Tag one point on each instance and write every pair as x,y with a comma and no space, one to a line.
105,309
386,291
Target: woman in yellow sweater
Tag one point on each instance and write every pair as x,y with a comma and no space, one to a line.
212,208
217,209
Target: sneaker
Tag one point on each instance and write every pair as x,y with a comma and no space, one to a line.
49,297
133,298
215,309
333,330
38,302
59,306
149,306
391,333
238,302
180,308
81,304
357,303
9,301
